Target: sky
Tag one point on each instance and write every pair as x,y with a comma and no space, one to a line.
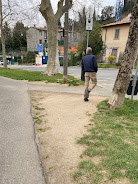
28,11
88,2
78,4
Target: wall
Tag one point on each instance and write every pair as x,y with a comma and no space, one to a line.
32,39
108,34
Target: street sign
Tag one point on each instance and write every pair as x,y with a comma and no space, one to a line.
40,49
89,24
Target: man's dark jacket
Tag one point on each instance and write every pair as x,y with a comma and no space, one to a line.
89,63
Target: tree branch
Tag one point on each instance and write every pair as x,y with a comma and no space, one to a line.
61,9
46,9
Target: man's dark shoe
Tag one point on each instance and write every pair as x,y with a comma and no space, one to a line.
86,99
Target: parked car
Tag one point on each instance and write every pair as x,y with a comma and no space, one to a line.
1,62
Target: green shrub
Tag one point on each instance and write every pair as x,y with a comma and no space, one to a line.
74,60
61,62
30,57
118,63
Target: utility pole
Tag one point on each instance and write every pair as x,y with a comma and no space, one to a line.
134,82
89,26
87,39
65,63
2,37
72,31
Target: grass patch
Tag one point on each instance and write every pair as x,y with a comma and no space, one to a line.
107,65
38,121
41,129
39,108
113,139
52,168
37,113
19,74
46,156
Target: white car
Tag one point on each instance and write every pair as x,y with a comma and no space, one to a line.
1,62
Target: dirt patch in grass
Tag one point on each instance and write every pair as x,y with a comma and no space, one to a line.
65,119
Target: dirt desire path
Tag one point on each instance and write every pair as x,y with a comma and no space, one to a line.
60,119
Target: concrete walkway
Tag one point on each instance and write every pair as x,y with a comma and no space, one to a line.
19,158
97,91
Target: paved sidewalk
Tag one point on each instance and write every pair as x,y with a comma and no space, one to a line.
97,91
19,158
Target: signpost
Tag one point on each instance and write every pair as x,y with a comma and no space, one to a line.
89,26
134,83
65,64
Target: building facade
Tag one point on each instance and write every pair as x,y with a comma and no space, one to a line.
115,37
37,35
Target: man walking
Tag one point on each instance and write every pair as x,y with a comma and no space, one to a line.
89,66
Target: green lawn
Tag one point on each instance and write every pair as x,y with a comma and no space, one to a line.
38,76
111,152
108,65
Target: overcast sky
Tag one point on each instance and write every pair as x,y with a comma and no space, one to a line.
34,16
78,4
88,2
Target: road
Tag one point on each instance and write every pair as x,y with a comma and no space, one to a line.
19,158
106,77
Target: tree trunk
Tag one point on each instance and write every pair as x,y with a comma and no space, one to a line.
52,19
53,66
2,37
3,49
129,58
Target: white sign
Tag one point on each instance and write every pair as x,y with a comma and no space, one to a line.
38,60
89,24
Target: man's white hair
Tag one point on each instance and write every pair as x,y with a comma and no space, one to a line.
88,50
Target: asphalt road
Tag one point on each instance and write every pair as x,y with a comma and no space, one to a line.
19,158
106,77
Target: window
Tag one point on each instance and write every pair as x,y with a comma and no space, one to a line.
40,33
45,34
40,41
117,33
114,52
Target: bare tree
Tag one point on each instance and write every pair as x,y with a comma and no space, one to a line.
5,13
129,57
52,19
2,36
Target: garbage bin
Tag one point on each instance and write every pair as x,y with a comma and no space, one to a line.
130,87
44,59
